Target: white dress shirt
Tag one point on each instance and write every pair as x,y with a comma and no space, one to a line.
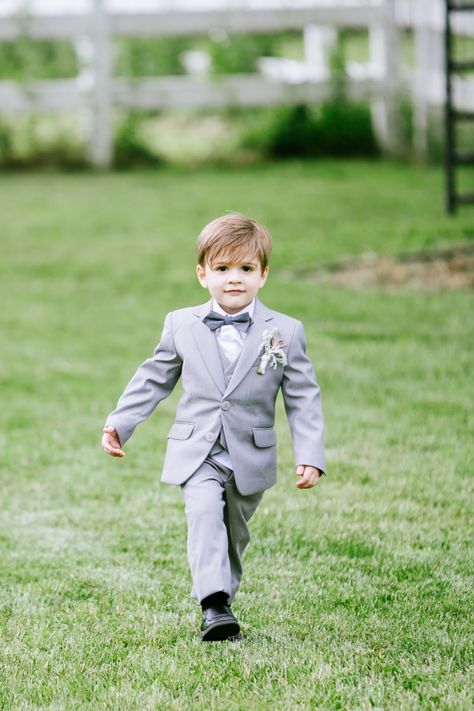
231,341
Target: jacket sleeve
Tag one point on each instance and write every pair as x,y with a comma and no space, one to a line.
153,381
302,399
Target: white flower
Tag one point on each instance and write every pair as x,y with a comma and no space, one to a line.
273,354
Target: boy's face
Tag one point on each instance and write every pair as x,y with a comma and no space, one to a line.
232,284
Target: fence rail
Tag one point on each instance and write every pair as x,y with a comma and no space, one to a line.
95,93
186,22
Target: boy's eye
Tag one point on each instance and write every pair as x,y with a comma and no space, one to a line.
223,268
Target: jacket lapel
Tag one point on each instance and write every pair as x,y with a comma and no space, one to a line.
206,343
249,351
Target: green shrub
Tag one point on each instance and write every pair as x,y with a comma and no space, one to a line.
45,140
130,147
51,141
6,144
435,137
335,128
150,56
26,60
344,129
405,117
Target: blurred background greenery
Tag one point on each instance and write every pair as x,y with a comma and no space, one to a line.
230,136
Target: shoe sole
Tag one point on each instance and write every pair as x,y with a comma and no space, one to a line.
220,631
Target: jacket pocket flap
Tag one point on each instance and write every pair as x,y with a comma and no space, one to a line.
181,430
264,436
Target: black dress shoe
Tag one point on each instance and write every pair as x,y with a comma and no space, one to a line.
219,623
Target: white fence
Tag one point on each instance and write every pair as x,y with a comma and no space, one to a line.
95,93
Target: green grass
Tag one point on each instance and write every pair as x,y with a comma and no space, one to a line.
357,594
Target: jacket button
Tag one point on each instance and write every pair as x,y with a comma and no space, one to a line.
210,436
225,405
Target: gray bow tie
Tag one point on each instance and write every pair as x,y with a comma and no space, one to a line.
214,321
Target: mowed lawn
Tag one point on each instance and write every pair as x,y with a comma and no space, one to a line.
357,594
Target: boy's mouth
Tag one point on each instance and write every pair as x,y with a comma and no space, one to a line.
234,291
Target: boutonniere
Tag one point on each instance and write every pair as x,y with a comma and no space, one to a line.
272,345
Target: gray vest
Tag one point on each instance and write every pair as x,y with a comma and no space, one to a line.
228,368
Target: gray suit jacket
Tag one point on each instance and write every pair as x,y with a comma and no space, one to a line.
245,408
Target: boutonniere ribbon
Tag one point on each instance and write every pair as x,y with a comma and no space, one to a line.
272,345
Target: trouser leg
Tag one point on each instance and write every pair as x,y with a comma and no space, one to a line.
208,545
238,511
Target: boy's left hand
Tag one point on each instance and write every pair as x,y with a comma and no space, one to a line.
309,476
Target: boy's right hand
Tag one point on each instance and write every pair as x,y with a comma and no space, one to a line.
111,443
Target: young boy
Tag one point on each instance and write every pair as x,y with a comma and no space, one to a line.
233,355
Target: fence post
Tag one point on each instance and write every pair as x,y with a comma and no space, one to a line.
318,43
428,80
384,56
100,139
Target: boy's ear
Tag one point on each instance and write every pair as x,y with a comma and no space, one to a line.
263,276
201,275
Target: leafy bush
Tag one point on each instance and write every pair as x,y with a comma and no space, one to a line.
26,60
334,128
150,56
43,139
130,147
6,144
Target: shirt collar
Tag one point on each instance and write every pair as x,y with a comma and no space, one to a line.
250,308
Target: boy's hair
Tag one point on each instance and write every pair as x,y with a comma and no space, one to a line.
234,236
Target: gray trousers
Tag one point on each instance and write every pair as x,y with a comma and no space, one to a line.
217,516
